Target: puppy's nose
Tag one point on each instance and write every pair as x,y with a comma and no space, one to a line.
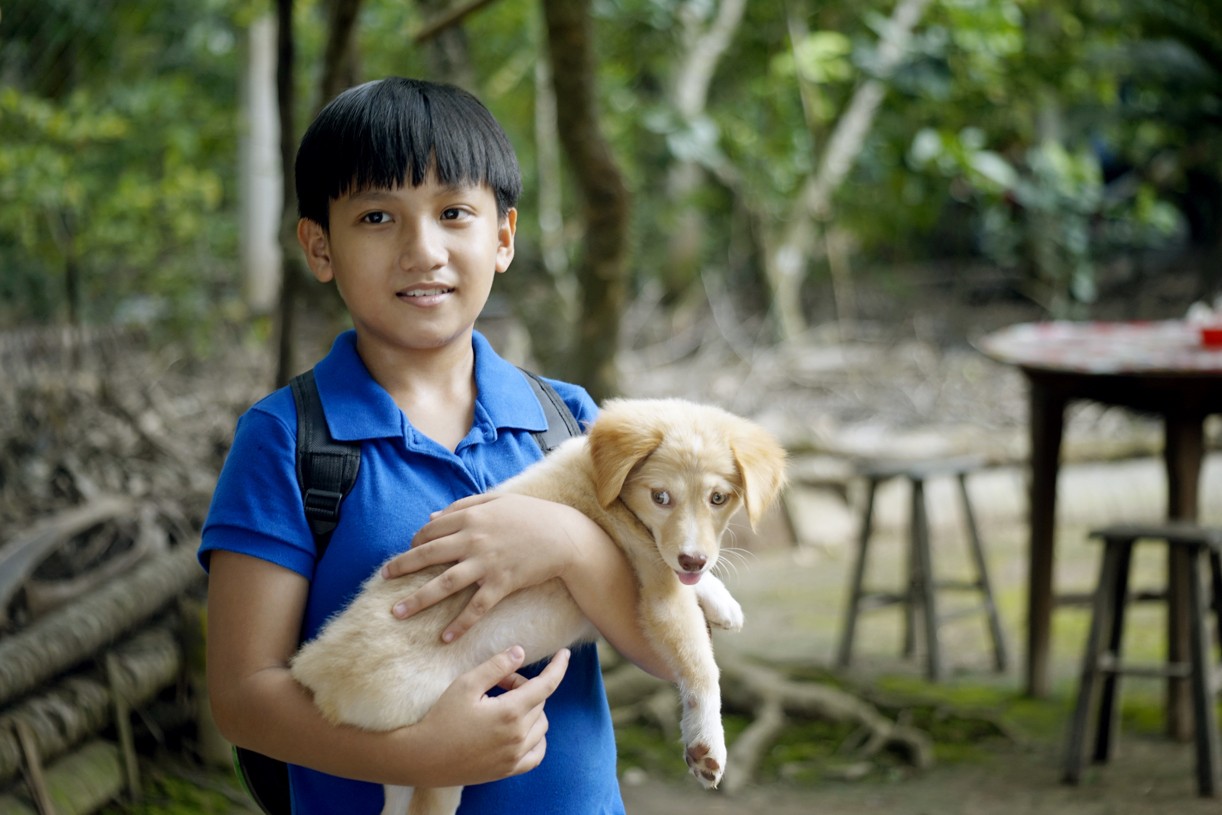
692,563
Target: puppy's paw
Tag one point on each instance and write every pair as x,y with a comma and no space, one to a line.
704,765
722,610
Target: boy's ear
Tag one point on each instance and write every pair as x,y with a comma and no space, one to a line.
317,247
504,249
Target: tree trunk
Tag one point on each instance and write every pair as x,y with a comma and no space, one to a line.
786,255
340,60
704,45
292,275
72,634
445,42
602,268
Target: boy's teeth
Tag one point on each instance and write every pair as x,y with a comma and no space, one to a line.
423,292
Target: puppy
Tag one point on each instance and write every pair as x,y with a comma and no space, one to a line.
662,478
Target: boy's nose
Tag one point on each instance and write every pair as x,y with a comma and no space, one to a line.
423,248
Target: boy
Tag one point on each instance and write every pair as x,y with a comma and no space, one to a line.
406,195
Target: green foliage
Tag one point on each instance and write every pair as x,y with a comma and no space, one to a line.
1048,136
117,191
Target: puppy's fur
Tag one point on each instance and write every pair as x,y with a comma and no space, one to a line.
663,478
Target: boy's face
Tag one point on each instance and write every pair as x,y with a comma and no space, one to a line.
413,264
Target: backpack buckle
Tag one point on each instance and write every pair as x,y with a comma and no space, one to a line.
322,505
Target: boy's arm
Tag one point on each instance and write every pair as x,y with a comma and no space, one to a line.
255,610
507,542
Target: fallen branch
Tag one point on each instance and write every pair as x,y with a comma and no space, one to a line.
21,555
772,700
82,705
770,694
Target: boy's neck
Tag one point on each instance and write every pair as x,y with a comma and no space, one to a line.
435,388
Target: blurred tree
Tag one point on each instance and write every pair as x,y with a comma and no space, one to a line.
602,267
1053,138
116,140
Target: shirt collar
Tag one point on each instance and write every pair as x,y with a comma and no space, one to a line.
357,407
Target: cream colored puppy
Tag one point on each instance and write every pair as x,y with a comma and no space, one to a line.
662,478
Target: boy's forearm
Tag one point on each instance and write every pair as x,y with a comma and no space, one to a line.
604,585
277,717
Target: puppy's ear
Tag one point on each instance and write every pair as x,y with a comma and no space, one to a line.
620,439
761,462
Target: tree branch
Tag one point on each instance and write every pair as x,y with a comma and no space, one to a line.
451,17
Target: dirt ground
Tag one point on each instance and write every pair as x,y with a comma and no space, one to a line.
1149,776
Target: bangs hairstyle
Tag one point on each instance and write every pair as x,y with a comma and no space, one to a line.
391,132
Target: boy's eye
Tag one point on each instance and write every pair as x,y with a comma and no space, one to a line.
376,217
451,214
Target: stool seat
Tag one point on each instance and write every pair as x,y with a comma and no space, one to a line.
919,596
923,468
1102,663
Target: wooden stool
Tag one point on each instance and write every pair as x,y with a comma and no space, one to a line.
1102,665
919,598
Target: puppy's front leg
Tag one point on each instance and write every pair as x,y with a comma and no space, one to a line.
677,627
719,606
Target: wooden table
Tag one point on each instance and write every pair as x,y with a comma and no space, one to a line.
1161,368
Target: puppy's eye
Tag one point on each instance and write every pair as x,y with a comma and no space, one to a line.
661,498
718,498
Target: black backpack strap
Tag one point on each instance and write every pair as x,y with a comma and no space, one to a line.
326,469
561,423
266,780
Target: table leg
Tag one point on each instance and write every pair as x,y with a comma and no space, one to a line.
1047,427
1183,452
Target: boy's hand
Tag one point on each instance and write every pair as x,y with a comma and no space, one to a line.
500,543
508,732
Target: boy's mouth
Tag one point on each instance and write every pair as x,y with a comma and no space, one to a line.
431,291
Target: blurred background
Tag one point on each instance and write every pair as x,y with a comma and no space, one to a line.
808,212
780,158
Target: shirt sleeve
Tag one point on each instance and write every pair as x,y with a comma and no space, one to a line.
580,403
257,509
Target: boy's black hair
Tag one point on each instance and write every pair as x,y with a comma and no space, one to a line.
393,131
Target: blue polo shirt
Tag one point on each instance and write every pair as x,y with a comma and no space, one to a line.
404,475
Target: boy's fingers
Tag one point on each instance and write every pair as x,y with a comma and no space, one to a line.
535,692
514,680
451,581
462,503
479,604
495,670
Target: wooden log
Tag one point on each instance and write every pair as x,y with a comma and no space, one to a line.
79,784
71,634
20,556
80,706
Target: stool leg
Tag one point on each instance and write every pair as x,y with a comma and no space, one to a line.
912,594
1215,594
1109,710
982,573
924,580
1102,617
1203,701
859,573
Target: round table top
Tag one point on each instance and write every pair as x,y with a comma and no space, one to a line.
1172,347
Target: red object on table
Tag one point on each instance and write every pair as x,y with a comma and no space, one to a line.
1165,368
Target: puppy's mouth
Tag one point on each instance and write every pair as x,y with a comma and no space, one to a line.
689,578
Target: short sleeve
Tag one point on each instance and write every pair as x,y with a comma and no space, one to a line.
256,508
